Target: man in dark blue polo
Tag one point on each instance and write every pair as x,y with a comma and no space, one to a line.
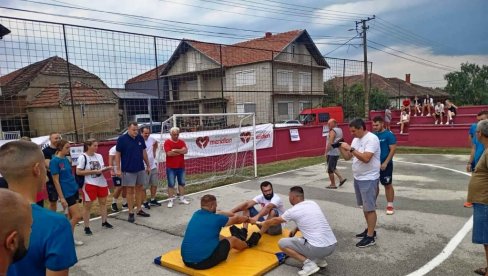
130,157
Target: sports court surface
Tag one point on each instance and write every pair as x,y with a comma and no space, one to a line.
430,191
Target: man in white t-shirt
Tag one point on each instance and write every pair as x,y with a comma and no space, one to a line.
117,181
365,153
317,241
271,206
152,179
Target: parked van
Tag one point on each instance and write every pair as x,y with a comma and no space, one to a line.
140,118
320,116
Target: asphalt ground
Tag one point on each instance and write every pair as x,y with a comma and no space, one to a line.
430,192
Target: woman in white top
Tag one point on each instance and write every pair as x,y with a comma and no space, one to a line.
91,166
404,119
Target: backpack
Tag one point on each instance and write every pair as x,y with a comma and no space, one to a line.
80,179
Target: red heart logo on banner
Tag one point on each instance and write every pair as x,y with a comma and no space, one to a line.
245,137
202,142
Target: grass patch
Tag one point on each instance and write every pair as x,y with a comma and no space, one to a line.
420,150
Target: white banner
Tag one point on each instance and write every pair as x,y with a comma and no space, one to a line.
42,141
219,142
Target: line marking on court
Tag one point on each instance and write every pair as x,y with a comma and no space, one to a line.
453,243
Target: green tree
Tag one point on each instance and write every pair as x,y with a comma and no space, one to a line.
378,100
468,86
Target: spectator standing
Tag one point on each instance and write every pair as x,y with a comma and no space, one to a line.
130,158
477,148
51,250
91,166
332,154
117,181
16,214
318,241
478,195
66,186
365,153
387,117
48,152
387,147
152,179
175,149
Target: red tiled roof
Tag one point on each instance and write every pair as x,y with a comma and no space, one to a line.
390,86
147,76
59,94
20,79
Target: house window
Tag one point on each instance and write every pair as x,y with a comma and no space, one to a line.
247,77
304,81
304,105
285,109
246,108
285,78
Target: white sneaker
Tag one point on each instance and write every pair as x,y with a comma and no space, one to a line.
321,263
79,243
401,132
184,201
170,203
436,123
309,268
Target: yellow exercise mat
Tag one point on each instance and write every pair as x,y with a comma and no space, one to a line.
267,243
246,262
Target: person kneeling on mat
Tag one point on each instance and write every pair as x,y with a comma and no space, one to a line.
318,240
202,245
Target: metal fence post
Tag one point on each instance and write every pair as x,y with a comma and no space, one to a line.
69,81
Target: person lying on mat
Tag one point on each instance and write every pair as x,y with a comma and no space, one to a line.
317,241
202,245
271,206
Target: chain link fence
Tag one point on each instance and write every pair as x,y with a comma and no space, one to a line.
89,83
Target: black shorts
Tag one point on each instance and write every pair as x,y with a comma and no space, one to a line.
117,181
386,176
52,194
219,255
72,200
332,163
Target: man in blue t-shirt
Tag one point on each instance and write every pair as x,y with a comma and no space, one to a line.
51,247
477,147
202,245
388,147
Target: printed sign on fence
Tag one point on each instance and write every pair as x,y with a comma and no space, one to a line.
294,135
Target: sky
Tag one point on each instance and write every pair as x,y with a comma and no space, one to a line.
438,35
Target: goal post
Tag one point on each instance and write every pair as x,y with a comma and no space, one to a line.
220,146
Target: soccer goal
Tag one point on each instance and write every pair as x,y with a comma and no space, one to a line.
220,146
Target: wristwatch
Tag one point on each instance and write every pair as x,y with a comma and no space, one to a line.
352,149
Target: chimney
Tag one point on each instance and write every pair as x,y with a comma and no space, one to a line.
407,78
268,34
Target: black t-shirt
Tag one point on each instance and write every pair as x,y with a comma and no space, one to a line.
3,183
48,154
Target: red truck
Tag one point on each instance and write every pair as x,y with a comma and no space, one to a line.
320,115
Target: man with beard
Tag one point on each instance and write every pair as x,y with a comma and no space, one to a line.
16,214
52,248
49,152
271,206
202,245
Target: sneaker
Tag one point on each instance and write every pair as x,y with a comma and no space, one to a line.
107,225
437,123
170,203
125,205
321,263
468,204
390,210
88,231
253,240
131,218
143,214
364,233
154,202
146,205
308,268
183,200
238,233
366,241
114,207
79,243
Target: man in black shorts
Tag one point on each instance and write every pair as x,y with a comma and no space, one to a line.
332,154
48,152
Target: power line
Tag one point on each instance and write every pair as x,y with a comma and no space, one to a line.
341,45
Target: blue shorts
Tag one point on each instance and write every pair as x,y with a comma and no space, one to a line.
480,223
175,174
366,193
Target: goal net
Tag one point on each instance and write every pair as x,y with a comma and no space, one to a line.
220,146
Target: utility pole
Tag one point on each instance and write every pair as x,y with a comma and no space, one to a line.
364,28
